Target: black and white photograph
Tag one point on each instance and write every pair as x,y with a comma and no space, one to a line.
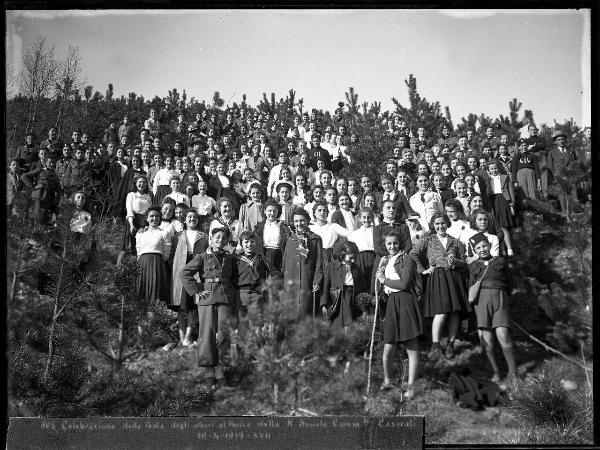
309,214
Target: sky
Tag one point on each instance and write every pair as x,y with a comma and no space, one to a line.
473,61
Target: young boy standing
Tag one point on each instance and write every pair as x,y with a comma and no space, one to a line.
215,297
250,274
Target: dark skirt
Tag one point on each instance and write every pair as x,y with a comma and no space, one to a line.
347,313
152,281
162,191
446,293
275,257
501,210
403,320
128,245
365,261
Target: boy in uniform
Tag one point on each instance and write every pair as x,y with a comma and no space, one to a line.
250,273
215,296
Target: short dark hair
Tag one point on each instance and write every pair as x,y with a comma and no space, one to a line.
154,208
247,235
223,229
271,202
301,212
319,203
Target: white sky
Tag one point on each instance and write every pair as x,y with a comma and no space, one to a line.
473,61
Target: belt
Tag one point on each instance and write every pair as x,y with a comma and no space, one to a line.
248,287
212,280
273,248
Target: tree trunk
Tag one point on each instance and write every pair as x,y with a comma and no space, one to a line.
56,314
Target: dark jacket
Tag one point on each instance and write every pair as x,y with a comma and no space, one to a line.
215,283
402,205
333,284
46,185
498,275
338,217
319,152
285,232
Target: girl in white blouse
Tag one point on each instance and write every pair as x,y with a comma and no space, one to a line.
153,247
363,238
329,232
190,242
162,181
204,204
136,205
425,202
176,194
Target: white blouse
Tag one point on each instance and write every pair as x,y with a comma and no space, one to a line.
461,230
163,178
349,219
363,238
153,240
271,234
391,274
204,204
179,198
496,185
224,181
426,209
191,236
137,203
330,232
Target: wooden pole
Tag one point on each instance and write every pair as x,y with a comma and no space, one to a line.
373,337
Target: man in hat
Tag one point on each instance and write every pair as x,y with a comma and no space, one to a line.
27,154
559,158
111,134
126,129
490,140
51,143
317,152
446,139
537,145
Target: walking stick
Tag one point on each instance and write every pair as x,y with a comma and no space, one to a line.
373,336
314,305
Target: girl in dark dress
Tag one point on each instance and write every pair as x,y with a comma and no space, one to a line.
445,293
403,323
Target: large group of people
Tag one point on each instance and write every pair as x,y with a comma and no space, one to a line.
214,208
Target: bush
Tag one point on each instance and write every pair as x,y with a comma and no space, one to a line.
551,415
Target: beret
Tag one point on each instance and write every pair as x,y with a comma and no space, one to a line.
477,238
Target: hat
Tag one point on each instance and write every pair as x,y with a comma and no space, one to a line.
557,134
477,238
521,141
285,183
